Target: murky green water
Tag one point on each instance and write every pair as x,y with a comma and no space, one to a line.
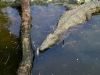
9,46
78,55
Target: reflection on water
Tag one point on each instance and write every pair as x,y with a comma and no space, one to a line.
79,55
9,46
15,19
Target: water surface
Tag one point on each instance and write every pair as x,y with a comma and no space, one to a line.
9,43
79,55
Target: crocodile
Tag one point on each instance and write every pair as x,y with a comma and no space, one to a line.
70,19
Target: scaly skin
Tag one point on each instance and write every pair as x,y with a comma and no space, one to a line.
69,19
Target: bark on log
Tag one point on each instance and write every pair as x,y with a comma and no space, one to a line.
27,54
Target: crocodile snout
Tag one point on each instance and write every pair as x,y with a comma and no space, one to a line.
48,42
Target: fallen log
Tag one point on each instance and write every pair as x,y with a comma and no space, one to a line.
70,19
25,66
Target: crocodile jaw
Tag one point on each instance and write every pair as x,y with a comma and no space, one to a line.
48,42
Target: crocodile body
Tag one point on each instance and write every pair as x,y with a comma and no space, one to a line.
69,19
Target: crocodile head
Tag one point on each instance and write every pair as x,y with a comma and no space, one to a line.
48,42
